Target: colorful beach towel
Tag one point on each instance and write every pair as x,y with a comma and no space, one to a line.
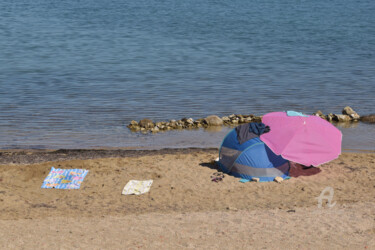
137,187
64,178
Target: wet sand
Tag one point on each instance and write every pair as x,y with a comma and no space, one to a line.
184,208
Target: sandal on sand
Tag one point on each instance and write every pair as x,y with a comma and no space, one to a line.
216,177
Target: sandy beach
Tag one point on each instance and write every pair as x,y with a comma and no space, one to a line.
184,208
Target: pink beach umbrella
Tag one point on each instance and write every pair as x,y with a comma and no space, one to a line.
305,139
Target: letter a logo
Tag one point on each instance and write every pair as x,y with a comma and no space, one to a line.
323,195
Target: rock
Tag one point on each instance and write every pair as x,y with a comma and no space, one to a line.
145,132
197,124
368,118
318,113
248,119
146,123
257,119
135,128
134,123
225,119
329,117
213,120
173,124
348,111
190,121
187,120
355,117
155,129
278,179
244,119
341,118
351,113
255,179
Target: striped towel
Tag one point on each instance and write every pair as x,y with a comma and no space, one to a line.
64,178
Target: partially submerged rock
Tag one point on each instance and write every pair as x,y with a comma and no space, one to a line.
155,129
351,113
320,114
134,126
329,117
213,120
348,111
368,118
146,123
341,118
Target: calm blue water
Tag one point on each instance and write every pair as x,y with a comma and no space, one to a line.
73,73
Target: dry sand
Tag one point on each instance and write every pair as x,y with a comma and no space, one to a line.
184,208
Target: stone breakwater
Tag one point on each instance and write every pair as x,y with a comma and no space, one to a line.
147,125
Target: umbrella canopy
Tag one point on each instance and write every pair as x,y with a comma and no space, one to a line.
305,139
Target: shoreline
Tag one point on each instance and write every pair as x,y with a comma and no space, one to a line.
33,156
359,136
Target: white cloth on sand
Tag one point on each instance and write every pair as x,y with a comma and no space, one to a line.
137,187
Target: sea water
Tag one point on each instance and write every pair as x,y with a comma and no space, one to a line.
73,74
